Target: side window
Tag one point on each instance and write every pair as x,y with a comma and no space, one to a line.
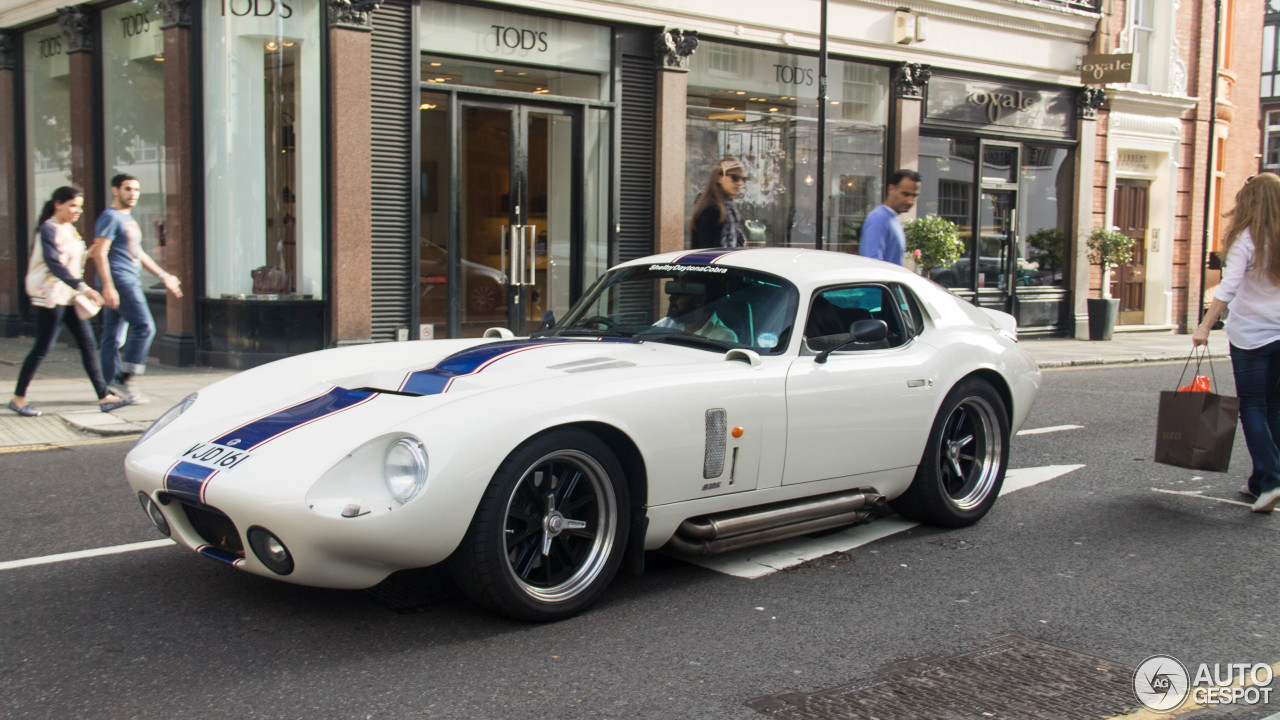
834,311
909,306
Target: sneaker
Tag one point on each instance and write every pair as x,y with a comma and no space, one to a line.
1249,494
128,389
1267,501
25,410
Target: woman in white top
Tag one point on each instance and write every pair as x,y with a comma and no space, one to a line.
54,279
1251,288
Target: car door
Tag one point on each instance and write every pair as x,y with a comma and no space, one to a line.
869,406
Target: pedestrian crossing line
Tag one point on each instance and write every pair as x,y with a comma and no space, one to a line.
762,560
82,554
1050,429
1198,494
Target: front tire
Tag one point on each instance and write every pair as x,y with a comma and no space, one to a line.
549,533
964,461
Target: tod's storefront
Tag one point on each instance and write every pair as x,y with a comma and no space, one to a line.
341,171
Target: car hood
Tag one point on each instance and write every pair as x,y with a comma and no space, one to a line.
352,395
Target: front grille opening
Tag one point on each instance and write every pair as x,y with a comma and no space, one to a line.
214,528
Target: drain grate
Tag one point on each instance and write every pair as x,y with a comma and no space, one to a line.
1015,677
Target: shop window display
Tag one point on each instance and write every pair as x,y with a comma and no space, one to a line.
761,106
133,110
46,83
263,150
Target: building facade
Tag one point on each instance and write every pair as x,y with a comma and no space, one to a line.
1169,157
323,172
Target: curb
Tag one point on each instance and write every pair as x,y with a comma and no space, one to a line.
1122,360
101,423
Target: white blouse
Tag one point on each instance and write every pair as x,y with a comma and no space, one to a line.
1253,299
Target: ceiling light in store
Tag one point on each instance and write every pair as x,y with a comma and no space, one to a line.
522,74
773,109
741,92
436,64
427,106
808,179
442,80
288,44
726,116
272,46
498,70
835,102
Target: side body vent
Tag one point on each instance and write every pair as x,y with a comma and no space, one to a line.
713,456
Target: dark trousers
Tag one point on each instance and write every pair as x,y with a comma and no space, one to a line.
48,323
1257,372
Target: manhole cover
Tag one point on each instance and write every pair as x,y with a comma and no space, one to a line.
48,428
1015,677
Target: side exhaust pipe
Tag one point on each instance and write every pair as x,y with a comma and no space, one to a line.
711,534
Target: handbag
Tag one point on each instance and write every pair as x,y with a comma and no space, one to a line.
271,279
85,307
1195,428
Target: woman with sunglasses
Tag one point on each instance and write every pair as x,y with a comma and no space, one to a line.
716,222
55,278
1251,288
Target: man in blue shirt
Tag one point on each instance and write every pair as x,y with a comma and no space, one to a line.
127,325
882,237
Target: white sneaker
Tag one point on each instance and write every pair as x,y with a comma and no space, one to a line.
1267,501
127,389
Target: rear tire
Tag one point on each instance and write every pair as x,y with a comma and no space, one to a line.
964,461
550,532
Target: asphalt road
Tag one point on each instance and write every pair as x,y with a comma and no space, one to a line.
1095,561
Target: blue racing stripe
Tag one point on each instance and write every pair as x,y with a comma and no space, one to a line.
185,480
705,257
435,380
259,431
219,554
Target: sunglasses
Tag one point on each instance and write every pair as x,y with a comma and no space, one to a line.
736,177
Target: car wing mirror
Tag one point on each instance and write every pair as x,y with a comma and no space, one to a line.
861,331
548,320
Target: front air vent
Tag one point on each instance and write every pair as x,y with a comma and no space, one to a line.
713,456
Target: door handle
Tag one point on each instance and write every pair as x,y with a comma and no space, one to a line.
517,255
502,262
532,232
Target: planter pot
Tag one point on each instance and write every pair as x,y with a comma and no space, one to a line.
1102,317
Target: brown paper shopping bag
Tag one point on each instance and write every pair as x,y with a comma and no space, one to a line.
1196,430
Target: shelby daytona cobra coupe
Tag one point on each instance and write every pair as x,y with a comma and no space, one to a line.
699,402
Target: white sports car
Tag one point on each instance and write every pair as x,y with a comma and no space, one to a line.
698,401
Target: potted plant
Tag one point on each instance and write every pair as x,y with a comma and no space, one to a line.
1108,247
933,241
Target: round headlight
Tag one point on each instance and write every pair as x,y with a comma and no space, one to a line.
405,467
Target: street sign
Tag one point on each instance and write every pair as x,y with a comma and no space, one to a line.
1103,69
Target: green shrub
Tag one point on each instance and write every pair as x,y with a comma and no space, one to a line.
933,241
1045,247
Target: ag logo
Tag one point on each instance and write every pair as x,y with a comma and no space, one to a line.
1161,683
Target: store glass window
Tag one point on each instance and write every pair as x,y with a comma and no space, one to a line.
133,110
263,148
47,91
761,106
948,190
1044,218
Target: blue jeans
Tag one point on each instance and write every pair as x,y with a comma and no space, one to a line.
127,333
1257,371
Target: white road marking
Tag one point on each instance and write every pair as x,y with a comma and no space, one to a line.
1051,428
81,554
1197,494
767,559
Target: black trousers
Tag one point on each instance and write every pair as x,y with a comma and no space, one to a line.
48,323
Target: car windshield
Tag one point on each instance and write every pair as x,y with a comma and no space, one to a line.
711,306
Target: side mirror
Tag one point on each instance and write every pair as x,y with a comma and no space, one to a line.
862,331
548,320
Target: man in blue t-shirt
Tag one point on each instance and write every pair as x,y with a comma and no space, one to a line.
127,325
882,237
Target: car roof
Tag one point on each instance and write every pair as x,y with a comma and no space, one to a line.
805,267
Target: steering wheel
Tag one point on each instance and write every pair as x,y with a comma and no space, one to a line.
597,320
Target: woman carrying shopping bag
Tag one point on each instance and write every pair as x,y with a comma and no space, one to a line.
1251,288
55,283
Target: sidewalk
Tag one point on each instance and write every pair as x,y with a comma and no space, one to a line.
63,393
